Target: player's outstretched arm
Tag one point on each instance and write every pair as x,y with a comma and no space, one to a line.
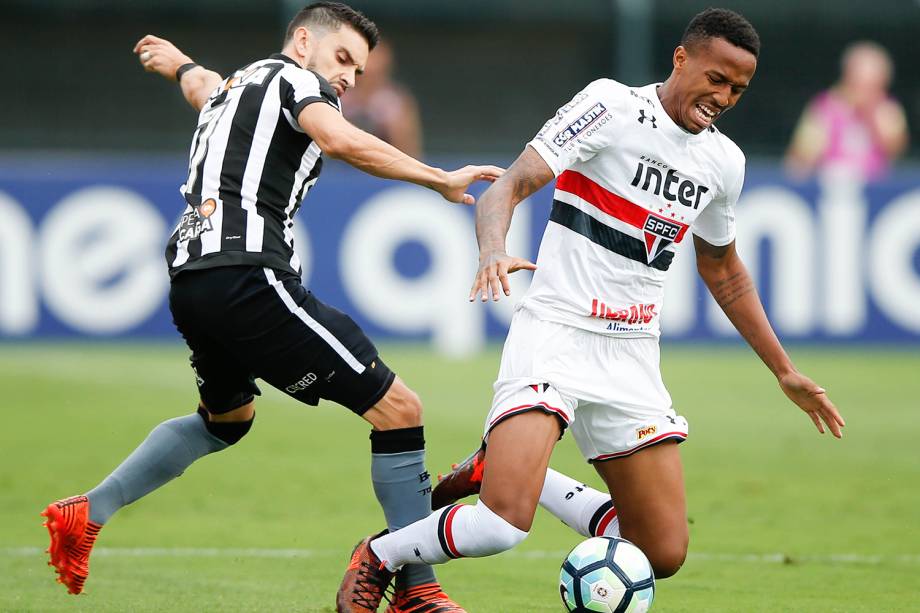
164,58
340,139
493,218
733,289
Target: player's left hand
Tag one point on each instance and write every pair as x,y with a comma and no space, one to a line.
812,399
160,56
458,181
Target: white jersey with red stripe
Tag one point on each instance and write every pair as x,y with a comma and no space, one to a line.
631,185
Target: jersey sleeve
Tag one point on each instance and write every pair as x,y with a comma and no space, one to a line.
716,224
580,128
304,87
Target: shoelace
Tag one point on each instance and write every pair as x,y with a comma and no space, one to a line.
369,586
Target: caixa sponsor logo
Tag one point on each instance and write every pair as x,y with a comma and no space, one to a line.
838,262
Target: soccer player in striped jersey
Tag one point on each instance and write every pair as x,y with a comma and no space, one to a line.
637,170
236,295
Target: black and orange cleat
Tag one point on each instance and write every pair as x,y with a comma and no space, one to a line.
365,582
427,598
463,480
72,538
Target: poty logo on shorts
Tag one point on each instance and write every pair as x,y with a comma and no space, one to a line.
573,129
641,433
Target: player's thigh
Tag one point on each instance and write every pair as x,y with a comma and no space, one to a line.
647,488
306,348
226,385
517,455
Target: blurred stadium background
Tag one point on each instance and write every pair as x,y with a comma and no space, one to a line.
92,152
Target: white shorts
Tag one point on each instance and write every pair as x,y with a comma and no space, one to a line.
607,390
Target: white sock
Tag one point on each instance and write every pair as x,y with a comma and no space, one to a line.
457,531
582,508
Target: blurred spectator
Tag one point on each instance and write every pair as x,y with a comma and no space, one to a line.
383,107
855,127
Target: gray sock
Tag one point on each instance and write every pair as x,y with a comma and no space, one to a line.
403,488
167,451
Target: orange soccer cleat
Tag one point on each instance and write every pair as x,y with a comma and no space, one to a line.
427,598
464,479
72,539
365,582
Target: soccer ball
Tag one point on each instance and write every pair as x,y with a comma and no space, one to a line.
608,575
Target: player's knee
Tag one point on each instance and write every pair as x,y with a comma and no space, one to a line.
495,533
667,558
229,427
406,408
506,537
514,511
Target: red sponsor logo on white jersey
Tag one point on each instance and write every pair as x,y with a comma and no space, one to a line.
633,314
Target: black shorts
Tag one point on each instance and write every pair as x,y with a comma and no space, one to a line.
243,322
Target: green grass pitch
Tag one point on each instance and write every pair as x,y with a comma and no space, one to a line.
782,519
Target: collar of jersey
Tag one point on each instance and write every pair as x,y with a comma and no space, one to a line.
283,58
667,124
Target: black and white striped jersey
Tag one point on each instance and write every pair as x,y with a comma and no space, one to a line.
250,166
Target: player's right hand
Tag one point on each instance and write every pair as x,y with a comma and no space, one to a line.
160,56
493,272
458,181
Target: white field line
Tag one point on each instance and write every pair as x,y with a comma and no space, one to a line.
214,552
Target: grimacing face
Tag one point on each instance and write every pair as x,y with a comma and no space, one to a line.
709,79
339,56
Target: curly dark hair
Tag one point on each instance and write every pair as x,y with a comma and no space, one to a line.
332,15
722,23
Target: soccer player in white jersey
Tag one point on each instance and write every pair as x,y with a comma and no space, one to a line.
638,169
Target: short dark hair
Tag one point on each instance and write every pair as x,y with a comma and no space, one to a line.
722,23
332,15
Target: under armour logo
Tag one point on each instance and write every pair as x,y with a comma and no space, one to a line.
643,117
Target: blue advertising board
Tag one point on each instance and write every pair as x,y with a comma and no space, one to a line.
81,255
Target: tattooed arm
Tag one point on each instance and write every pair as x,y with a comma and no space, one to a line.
733,289
493,218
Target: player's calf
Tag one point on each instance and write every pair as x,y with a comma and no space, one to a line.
458,531
401,481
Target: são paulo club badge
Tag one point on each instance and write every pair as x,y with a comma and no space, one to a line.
659,233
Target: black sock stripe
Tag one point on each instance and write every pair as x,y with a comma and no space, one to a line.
598,515
399,440
442,535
